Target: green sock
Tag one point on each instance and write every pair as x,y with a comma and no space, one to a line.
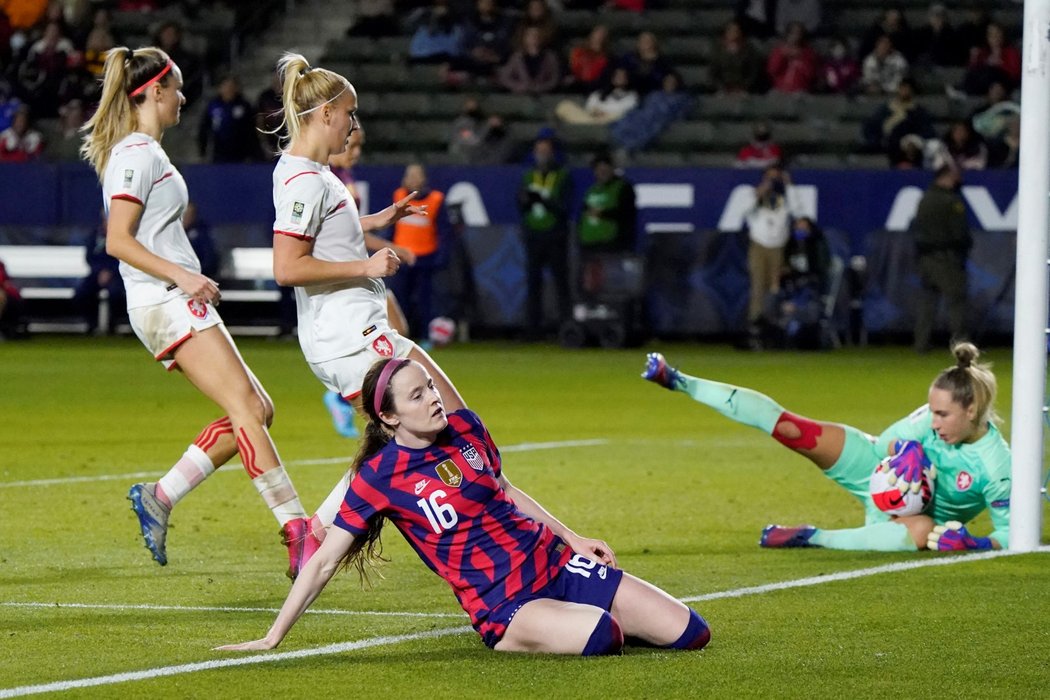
877,537
734,402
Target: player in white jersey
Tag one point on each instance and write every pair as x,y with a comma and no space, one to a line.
171,305
319,248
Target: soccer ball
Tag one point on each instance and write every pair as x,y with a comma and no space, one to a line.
896,496
441,330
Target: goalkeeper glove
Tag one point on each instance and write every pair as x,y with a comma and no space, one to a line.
953,536
908,462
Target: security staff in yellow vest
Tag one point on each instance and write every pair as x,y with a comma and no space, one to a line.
429,238
543,199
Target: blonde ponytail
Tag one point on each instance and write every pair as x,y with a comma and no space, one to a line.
303,90
970,383
115,117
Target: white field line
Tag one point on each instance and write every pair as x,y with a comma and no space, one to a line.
226,663
225,609
523,447
382,641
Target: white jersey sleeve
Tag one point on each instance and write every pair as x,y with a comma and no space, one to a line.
300,204
131,173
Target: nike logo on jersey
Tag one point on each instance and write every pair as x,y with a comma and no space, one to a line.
421,484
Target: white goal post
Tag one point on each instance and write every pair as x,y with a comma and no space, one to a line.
1030,293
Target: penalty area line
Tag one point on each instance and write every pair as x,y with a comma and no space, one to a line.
859,573
148,674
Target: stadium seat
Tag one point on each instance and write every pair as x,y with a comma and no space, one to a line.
351,49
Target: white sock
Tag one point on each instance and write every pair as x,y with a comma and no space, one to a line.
192,468
278,493
327,511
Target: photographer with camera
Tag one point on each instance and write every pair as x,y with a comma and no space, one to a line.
768,227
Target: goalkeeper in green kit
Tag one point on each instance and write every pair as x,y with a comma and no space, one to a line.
955,431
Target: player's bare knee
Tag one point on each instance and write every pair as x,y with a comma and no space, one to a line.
268,410
787,431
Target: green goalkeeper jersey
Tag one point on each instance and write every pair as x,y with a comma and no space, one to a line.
970,477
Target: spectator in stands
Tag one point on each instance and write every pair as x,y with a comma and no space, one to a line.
437,37
911,154
168,39
893,24
769,227
199,233
992,120
636,129
375,18
938,43
646,64
762,152
228,126
533,68
793,65
487,40
12,308
942,242
609,216
25,14
467,129
538,15
269,123
797,310
429,238
78,83
602,106
103,274
973,33
9,102
735,64
965,148
20,142
898,117
6,32
808,13
589,61
43,69
543,200
478,139
840,70
999,61
99,40
66,145
884,68
757,17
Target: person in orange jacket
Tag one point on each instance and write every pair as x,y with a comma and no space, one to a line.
428,237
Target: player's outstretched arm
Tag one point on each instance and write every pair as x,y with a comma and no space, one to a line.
308,585
394,213
596,550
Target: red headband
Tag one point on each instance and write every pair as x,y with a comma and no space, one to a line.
384,379
163,71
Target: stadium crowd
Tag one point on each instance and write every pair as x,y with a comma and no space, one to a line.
51,54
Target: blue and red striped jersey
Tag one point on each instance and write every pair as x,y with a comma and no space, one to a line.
448,503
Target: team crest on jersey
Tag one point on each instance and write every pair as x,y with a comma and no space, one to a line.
297,212
473,458
449,473
964,481
383,347
129,175
197,307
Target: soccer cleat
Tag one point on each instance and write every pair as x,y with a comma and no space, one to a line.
297,535
153,519
658,371
776,536
342,414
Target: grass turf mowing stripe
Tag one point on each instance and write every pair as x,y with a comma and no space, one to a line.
859,573
226,663
203,608
522,447
382,641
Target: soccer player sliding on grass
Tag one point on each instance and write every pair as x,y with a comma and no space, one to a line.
528,582
956,430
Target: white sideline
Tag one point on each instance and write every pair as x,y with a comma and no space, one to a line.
380,641
217,608
522,447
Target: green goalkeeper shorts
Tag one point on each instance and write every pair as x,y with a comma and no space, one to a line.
853,471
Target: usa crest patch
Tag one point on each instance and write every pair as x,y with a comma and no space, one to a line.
473,458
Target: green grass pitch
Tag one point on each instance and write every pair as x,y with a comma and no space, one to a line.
678,491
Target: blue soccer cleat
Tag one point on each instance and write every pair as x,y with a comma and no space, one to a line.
659,372
153,519
342,414
778,536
